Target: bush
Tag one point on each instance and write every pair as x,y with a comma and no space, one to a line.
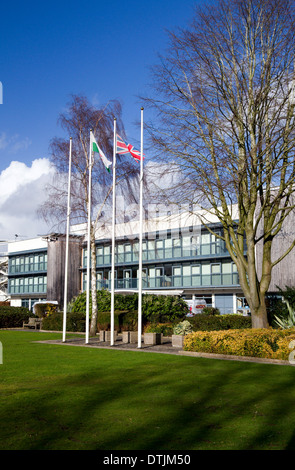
165,328
163,309
183,328
104,320
210,311
155,308
13,317
76,322
264,343
229,321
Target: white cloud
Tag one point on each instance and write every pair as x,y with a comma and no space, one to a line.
14,143
22,191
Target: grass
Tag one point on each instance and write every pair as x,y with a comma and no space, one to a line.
59,397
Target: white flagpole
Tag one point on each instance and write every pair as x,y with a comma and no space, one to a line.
113,236
67,244
88,244
140,239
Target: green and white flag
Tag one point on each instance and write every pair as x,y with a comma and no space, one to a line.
96,148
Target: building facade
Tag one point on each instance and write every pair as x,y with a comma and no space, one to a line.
180,256
36,269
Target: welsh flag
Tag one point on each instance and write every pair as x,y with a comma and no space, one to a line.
96,148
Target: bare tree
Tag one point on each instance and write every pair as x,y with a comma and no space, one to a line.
224,96
77,121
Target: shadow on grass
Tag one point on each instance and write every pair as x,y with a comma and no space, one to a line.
137,401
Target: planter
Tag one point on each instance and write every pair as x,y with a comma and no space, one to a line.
177,341
152,338
130,337
106,335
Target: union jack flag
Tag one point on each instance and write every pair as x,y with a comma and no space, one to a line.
123,148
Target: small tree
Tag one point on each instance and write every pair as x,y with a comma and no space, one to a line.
77,121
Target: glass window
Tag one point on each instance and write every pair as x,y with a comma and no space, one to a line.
159,249
127,252
206,277
107,254
196,269
168,248
176,243
216,277
215,268
226,273
186,246
99,255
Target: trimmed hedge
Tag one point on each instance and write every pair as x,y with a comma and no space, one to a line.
76,321
229,321
263,343
54,322
13,317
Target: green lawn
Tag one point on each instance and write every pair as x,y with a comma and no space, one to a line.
66,397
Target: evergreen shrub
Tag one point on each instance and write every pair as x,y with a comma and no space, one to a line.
155,308
201,322
264,343
75,322
182,328
165,328
13,317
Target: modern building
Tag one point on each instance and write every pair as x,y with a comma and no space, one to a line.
36,269
180,256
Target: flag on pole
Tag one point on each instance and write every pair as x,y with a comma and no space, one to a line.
96,148
123,148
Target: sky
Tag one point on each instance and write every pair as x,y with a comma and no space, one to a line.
51,50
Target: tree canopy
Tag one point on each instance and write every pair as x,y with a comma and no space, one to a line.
225,103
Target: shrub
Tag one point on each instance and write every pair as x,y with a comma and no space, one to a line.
76,322
163,309
165,328
104,320
13,317
183,328
286,322
155,308
264,343
229,321
210,311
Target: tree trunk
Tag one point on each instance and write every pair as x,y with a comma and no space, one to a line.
259,317
258,310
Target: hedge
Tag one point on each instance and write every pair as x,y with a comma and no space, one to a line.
166,329
155,308
76,321
263,343
54,322
229,321
13,317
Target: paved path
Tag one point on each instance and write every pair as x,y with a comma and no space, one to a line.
164,348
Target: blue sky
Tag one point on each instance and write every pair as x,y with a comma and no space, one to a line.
50,50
